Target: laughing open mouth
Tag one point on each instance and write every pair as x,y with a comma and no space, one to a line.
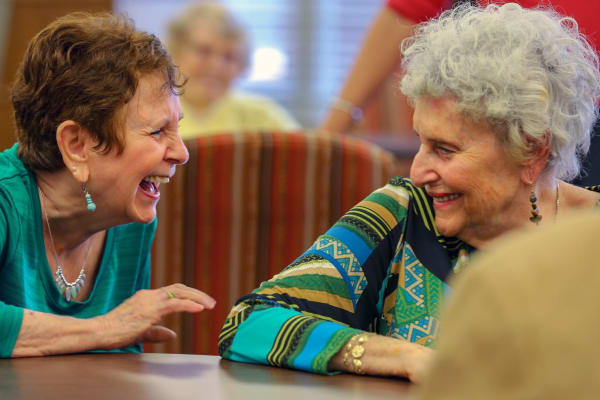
150,184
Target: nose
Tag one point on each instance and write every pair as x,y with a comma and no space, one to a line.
217,61
177,153
422,169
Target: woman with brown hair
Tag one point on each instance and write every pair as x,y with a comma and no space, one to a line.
96,109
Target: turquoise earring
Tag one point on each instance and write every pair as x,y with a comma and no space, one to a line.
91,206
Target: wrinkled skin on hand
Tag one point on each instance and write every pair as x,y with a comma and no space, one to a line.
136,319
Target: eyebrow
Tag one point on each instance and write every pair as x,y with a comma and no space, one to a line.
443,143
165,122
436,140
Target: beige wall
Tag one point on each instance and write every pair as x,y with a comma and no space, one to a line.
26,18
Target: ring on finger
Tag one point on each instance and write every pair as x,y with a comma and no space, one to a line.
170,294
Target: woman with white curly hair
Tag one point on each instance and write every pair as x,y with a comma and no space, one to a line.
505,99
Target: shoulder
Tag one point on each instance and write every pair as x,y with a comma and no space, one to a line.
595,188
262,110
574,197
392,195
406,186
16,182
380,213
404,191
18,197
420,214
250,99
11,166
402,198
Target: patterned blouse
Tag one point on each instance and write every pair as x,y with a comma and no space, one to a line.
381,268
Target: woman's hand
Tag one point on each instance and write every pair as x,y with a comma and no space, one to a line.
387,356
133,321
136,319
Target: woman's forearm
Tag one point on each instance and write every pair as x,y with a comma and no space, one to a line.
378,57
44,334
385,356
134,320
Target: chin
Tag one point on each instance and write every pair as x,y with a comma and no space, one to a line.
143,218
147,221
148,218
446,228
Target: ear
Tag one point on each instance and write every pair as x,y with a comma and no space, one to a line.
75,144
539,151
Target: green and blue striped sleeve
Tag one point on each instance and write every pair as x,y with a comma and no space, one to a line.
302,316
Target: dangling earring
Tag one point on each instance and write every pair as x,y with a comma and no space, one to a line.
91,206
535,214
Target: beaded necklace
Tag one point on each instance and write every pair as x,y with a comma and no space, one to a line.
67,289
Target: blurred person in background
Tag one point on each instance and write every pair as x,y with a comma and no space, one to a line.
212,49
379,56
524,329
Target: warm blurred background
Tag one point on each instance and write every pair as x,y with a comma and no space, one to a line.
20,20
301,50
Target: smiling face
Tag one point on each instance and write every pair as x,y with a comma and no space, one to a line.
211,62
475,185
126,185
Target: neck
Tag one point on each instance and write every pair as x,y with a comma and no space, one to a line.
197,104
516,214
64,203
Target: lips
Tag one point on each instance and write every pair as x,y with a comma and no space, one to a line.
151,183
447,197
441,200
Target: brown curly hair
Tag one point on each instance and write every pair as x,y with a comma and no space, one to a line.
82,67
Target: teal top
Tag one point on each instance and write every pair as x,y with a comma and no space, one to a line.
26,280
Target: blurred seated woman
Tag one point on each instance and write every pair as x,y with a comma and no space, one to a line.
211,48
96,108
504,99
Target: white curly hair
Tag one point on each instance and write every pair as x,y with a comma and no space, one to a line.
527,72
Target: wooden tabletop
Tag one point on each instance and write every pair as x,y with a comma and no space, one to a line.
179,376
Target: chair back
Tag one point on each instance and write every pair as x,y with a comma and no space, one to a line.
246,205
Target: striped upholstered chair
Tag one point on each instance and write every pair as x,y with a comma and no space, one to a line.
246,205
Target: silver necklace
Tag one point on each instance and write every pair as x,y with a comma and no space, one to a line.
67,289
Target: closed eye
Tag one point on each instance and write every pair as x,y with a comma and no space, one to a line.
443,150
